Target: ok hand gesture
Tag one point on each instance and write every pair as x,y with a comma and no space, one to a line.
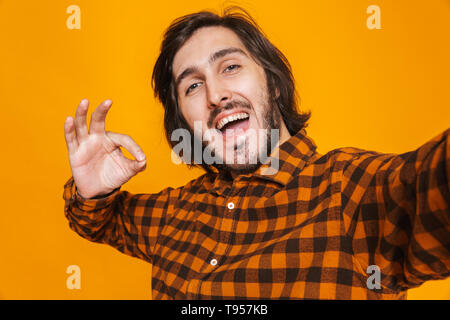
98,165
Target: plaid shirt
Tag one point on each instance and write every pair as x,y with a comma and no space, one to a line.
310,231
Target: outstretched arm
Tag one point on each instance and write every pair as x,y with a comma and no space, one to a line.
396,209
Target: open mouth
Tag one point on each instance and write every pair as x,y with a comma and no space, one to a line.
233,122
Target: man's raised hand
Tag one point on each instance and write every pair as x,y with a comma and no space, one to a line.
98,165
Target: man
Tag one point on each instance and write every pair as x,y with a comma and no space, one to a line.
350,224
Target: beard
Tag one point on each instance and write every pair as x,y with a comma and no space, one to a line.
271,119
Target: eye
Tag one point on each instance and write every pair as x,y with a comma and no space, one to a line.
192,87
233,67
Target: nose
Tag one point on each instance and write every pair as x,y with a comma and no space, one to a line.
218,94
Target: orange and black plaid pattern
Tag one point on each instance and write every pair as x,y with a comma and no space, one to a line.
308,232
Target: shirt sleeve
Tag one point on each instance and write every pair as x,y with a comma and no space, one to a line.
396,212
128,222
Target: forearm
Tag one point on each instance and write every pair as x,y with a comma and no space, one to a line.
88,217
120,219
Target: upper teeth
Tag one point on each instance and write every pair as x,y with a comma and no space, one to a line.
233,117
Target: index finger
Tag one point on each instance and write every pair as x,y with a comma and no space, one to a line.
97,124
69,134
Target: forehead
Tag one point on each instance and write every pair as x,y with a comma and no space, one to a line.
201,44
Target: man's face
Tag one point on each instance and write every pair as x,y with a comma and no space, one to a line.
221,89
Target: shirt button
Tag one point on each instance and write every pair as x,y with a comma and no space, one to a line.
230,205
213,262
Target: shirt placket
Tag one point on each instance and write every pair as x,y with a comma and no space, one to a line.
227,227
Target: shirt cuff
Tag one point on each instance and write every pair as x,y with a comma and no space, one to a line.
93,204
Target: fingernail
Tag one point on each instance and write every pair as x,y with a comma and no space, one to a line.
84,101
107,102
140,156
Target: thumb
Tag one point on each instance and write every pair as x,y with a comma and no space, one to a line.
139,166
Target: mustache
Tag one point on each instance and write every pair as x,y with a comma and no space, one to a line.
229,106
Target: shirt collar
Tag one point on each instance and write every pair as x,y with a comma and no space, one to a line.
292,156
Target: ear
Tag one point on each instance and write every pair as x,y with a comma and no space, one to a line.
277,93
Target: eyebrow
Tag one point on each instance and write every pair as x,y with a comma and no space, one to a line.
216,55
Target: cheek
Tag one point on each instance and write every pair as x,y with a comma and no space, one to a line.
253,88
248,86
193,111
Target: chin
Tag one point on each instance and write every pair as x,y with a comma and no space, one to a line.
239,168
243,162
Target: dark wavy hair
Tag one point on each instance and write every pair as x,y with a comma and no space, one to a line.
276,66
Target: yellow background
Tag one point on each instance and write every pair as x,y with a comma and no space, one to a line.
383,90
